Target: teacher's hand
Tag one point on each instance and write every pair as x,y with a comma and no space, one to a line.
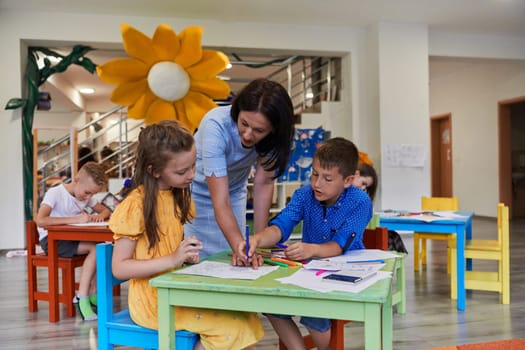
239,259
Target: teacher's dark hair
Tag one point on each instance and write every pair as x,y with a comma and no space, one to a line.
271,100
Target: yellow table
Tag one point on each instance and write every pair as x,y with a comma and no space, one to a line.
373,306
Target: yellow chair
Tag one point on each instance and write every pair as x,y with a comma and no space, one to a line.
488,249
432,204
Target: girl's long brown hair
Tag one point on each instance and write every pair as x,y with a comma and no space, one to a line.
157,145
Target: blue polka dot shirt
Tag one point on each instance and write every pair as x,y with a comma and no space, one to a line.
343,222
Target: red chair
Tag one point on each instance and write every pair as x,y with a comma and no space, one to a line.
372,239
67,265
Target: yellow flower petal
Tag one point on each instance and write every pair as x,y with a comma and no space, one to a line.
190,46
165,43
213,88
181,114
122,70
159,110
138,110
130,75
196,105
138,45
128,93
211,64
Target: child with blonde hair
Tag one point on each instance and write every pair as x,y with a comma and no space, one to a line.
68,204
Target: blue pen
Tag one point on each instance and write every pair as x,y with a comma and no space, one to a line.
280,245
366,261
247,241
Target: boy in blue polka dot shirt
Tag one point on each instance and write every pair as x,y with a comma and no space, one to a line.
334,214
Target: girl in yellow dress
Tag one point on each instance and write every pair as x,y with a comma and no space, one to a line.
148,228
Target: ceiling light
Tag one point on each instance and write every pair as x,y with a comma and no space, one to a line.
87,91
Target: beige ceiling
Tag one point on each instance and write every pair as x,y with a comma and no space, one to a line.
505,17
495,17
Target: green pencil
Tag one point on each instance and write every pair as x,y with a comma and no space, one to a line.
271,262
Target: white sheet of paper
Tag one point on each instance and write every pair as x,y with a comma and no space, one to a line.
448,214
338,266
224,270
103,223
308,279
363,255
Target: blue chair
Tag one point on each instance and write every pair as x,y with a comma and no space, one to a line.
118,328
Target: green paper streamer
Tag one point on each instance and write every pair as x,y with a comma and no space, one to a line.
35,78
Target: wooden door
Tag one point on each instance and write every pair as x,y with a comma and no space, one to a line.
441,155
507,194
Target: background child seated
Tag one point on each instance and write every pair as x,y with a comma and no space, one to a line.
366,179
67,204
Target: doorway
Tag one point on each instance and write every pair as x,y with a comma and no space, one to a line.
511,133
441,155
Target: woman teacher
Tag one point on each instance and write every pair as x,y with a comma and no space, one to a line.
257,129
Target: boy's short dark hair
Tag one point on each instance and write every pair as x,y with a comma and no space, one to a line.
339,152
96,172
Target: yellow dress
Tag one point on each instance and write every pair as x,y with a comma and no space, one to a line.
218,329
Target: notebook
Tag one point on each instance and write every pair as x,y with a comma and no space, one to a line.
348,276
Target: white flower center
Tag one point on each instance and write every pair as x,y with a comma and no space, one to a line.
168,81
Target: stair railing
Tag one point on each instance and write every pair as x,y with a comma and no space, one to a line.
58,168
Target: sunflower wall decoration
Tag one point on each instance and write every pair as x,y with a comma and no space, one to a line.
168,76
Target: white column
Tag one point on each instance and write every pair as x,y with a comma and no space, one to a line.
403,110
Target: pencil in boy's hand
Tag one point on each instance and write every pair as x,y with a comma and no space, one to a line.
280,245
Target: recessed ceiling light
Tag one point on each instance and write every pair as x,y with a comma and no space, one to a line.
87,91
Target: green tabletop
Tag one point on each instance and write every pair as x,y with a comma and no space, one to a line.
372,306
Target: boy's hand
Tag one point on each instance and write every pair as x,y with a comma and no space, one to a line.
96,218
82,218
299,251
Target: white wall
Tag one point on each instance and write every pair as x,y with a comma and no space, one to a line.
470,91
12,210
403,106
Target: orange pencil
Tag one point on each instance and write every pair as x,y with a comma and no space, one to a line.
287,262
